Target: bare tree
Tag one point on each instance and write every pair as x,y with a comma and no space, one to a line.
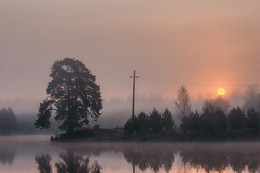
183,103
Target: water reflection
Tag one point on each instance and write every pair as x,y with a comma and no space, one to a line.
129,157
206,159
43,162
220,158
7,154
155,159
69,162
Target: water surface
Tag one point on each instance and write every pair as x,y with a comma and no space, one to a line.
35,154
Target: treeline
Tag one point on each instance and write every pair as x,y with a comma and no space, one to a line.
216,119
154,122
213,122
217,122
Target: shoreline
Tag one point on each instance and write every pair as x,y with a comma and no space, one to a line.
116,135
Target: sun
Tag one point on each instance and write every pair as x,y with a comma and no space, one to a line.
221,91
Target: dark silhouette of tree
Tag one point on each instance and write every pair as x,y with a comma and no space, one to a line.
142,122
167,121
253,120
191,123
183,103
213,105
73,96
43,162
207,121
137,124
155,121
185,124
219,122
237,119
129,127
213,121
7,120
195,121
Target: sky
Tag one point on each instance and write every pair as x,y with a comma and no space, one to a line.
200,43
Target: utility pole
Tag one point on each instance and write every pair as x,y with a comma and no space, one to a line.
133,106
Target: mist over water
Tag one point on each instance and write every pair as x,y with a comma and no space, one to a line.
35,153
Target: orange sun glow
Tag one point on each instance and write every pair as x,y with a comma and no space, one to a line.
221,91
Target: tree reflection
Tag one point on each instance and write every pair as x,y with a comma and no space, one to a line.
95,168
145,159
7,155
205,159
238,161
70,162
43,162
209,159
219,159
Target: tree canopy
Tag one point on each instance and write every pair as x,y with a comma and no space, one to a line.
213,105
72,96
237,119
154,122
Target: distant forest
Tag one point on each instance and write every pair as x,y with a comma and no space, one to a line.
10,124
7,120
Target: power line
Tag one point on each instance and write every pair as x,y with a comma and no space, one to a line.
171,83
197,81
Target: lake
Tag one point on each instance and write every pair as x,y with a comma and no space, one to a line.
35,154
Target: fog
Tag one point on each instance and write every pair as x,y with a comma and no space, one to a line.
116,111
204,45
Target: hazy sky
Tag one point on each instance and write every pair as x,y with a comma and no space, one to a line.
203,44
